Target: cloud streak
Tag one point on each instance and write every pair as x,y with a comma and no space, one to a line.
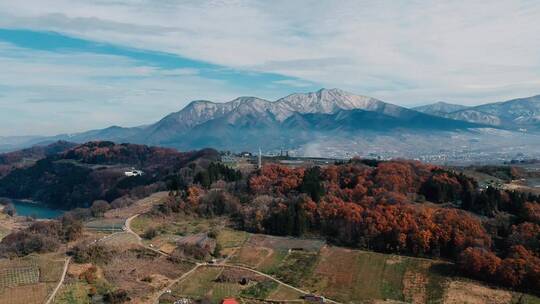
409,53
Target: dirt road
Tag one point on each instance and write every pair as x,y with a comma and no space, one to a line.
53,294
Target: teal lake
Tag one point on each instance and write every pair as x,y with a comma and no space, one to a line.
30,209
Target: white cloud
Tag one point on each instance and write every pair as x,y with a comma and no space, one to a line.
407,52
48,93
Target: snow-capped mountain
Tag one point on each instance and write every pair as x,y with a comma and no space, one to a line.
439,108
515,113
248,122
323,101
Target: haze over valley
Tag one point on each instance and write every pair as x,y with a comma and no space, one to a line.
355,125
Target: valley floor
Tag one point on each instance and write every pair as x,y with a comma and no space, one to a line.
253,268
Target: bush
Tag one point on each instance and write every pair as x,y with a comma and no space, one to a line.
117,296
93,253
261,290
9,209
99,208
150,233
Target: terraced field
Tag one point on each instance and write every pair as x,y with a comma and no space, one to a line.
217,283
105,225
353,275
344,275
28,280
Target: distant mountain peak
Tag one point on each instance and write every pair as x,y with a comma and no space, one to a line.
440,108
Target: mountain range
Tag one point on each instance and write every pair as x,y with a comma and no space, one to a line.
522,113
247,123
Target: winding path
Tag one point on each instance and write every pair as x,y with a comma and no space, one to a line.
155,299
53,294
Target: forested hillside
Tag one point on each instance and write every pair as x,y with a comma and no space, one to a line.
396,207
92,171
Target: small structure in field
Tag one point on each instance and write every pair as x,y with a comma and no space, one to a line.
183,301
311,298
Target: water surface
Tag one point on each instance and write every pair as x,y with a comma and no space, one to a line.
26,208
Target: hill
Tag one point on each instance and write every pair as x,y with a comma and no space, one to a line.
95,170
26,157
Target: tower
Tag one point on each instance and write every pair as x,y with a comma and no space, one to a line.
259,162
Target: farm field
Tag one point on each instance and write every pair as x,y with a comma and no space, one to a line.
352,275
140,206
266,253
202,284
142,272
105,225
73,293
175,225
344,275
229,238
28,280
121,240
217,283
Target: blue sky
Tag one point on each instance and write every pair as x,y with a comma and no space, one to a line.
74,65
144,85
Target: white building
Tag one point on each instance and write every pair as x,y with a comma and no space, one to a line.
133,172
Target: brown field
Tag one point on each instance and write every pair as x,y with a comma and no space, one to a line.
27,294
105,225
272,261
202,283
141,272
121,240
50,270
141,206
75,270
284,243
177,225
336,268
473,293
414,287
163,240
73,293
251,256
266,253
283,293
228,238
353,275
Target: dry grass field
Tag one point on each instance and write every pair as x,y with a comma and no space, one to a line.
228,238
25,294
458,292
202,283
140,206
73,293
28,280
142,272
105,225
251,256
266,253
121,240
209,282
352,275
285,243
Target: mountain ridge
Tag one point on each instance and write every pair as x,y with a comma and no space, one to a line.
247,122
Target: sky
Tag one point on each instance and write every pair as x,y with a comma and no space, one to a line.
74,65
